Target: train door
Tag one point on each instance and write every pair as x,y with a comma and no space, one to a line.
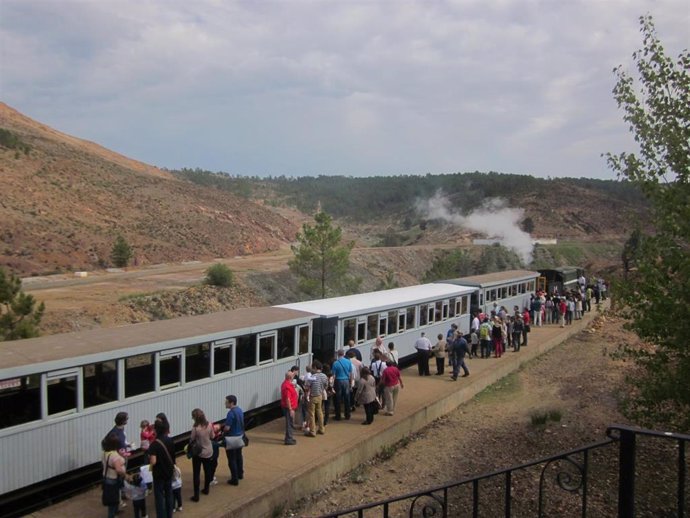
324,338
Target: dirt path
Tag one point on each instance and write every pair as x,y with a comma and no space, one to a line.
577,382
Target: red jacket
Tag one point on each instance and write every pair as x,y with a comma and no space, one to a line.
288,395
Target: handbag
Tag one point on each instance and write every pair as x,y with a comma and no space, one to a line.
111,488
234,442
194,449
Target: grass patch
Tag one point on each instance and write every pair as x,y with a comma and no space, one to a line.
359,475
506,386
140,295
541,417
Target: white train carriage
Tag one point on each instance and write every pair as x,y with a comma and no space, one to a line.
59,394
508,288
398,315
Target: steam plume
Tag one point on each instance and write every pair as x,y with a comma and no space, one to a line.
493,218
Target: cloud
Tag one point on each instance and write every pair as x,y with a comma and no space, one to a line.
494,218
355,88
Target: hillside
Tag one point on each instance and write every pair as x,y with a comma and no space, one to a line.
65,200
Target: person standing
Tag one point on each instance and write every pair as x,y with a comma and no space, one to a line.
114,473
517,333
352,347
288,402
342,371
234,431
392,383
393,353
162,455
485,338
497,337
439,351
202,434
423,346
366,395
460,349
315,387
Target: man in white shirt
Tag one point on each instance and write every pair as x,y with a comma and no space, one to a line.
423,346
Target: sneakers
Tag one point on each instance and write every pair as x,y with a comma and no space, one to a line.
214,481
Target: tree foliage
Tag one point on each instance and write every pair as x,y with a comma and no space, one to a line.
656,295
219,275
19,316
121,252
321,260
450,265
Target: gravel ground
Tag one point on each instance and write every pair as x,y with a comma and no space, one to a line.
577,384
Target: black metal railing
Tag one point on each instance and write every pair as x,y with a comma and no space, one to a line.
572,472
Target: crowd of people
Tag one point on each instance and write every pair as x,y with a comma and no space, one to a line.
160,473
308,400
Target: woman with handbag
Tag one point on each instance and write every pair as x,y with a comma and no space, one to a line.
114,473
201,449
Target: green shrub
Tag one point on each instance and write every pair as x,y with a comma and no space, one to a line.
219,275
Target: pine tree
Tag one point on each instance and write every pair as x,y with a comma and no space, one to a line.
121,252
321,260
19,316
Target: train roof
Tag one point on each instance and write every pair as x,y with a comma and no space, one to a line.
141,338
379,300
492,279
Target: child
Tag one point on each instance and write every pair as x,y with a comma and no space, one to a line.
474,339
135,489
177,489
147,435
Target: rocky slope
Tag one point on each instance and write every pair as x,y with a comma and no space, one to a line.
66,200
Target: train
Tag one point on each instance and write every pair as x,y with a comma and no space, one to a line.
60,393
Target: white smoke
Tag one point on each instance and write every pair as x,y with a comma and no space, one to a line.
493,218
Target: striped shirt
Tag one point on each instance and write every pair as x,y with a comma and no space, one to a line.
317,384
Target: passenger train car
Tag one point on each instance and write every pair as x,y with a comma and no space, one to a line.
492,290
60,393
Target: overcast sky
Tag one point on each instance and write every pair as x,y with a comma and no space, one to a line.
357,88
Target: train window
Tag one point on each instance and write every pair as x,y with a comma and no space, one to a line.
481,298
170,368
504,292
438,312
140,376
100,383
522,287
465,305
222,356
401,322
423,314
62,392
245,352
350,330
197,362
458,306
492,295
392,322
361,332
20,399
451,308
531,286
372,326
383,325
286,342
411,318
266,346
444,311
432,313
513,290
304,339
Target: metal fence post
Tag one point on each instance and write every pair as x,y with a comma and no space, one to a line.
626,474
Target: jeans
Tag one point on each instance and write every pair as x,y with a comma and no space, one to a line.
459,362
197,463
439,364
486,348
163,496
342,397
288,425
235,463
